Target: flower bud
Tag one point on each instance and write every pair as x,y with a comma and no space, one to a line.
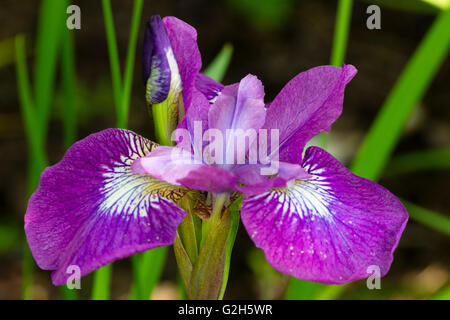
161,75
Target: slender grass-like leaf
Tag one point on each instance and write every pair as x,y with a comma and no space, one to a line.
218,67
331,292
68,294
341,31
404,97
131,55
68,84
114,63
102,283
49,39
36,110
150,264
427,217
418,161
34,148
423,6
28,108
303,290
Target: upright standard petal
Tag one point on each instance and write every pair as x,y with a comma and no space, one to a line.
183,39
329,228
307,105
90,209
238,114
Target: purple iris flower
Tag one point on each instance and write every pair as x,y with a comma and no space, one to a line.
115,193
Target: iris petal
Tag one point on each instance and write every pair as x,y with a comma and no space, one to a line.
90,210
183,40
209,87
179,167
307,105
329,228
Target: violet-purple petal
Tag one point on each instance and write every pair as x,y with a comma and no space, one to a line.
90,210
329,228
239,113
252,181
195,122
307,105
157,51
183,39
209,87
178,166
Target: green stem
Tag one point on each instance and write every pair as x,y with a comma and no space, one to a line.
160,122
113,61
218,203
138,278
129,63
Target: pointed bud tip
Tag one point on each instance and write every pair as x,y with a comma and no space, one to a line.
157,72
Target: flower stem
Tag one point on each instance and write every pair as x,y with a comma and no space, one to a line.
218,203
160,116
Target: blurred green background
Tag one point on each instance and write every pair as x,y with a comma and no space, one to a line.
72,95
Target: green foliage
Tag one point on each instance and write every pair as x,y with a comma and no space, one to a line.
418,161
404,97
427,217
35,104
218,67
422,6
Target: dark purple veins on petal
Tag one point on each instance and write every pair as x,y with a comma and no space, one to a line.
90,209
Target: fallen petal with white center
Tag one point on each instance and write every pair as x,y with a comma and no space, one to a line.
90,209
329,228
